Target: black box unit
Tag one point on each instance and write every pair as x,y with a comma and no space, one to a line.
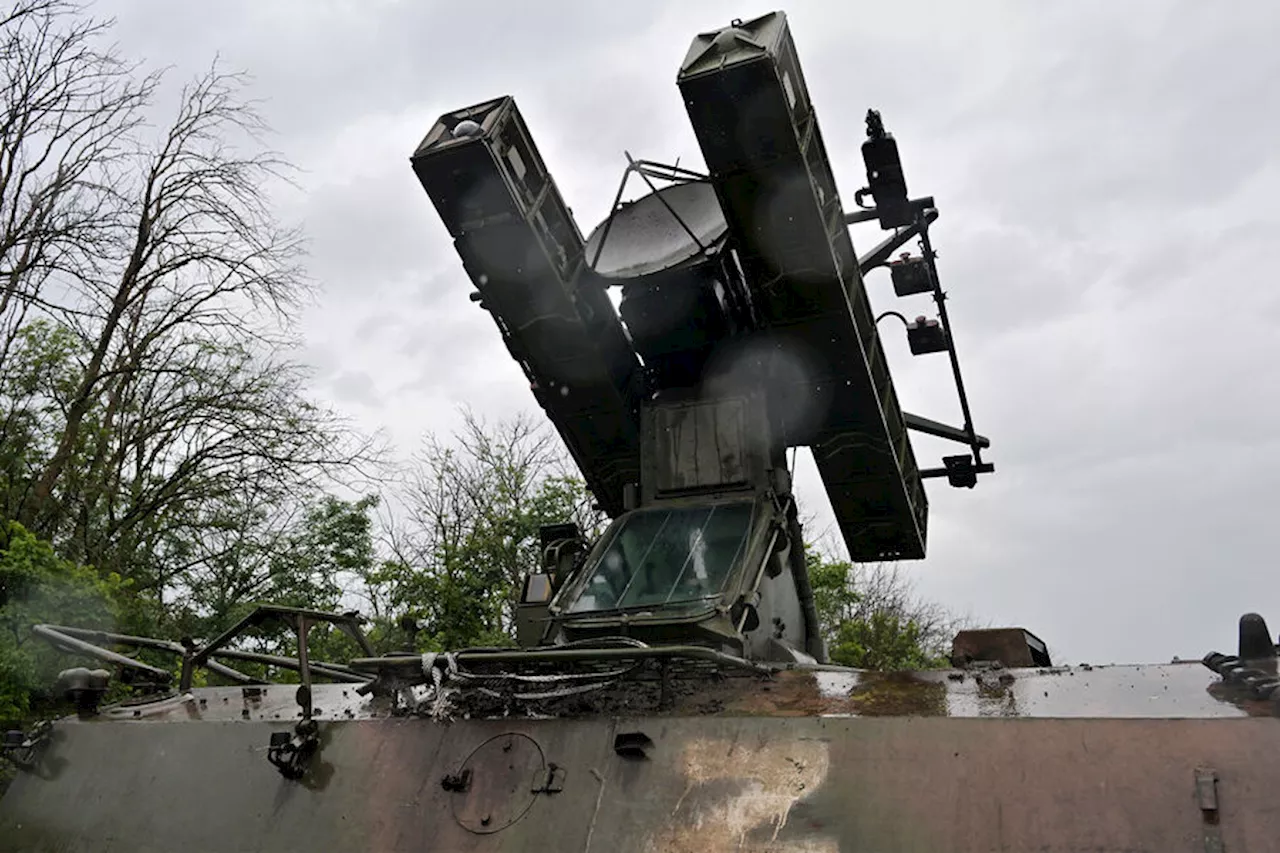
480,167
523,251
747,100
910,275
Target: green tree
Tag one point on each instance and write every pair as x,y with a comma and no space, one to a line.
39,372
37,586
473,510
871,619
310,559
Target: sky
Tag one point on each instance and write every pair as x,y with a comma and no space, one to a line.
1105,174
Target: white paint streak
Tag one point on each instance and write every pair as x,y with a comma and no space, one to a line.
765,782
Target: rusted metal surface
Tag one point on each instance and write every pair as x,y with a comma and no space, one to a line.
705,784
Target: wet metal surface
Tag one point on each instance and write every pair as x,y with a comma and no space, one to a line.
1180,690
1167,691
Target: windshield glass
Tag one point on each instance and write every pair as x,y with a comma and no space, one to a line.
661,557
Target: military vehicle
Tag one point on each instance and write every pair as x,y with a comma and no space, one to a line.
670,690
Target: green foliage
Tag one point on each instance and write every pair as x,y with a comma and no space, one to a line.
36,587
883,641
38,375
871,621
309,561
477,511
334,539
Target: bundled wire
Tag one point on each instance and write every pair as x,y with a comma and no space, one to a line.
449,680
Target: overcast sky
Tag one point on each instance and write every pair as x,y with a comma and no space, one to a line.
1106,174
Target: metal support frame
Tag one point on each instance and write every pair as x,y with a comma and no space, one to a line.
878,256
296,618
72,640
94,644
933,473
291,754
940,298
926,214
941,430
870,214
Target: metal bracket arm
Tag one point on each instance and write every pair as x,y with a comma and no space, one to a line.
880,254
941,430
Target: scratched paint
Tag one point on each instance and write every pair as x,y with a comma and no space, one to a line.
738,797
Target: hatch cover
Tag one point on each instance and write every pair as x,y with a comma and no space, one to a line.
498,789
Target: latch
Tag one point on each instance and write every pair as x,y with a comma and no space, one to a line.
291,752
548,780
457,783
1207,799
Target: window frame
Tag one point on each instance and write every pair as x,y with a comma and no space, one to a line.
679,609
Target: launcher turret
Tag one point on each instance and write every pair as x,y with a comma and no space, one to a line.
743,328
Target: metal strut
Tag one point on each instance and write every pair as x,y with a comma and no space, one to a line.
648,170
940,298
926,213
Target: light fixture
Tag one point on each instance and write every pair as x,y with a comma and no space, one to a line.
911,275
926,336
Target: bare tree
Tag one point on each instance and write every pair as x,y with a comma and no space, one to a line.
194,429
70,109
154,266
200,256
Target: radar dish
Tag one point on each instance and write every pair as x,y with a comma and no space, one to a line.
662,230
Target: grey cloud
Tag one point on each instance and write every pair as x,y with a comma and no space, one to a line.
1118,122
356,386
363,246
375,324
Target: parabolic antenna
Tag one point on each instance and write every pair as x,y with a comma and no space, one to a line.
664,229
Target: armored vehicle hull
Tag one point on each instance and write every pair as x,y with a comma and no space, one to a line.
1143,758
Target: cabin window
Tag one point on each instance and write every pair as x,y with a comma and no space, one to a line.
660,557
